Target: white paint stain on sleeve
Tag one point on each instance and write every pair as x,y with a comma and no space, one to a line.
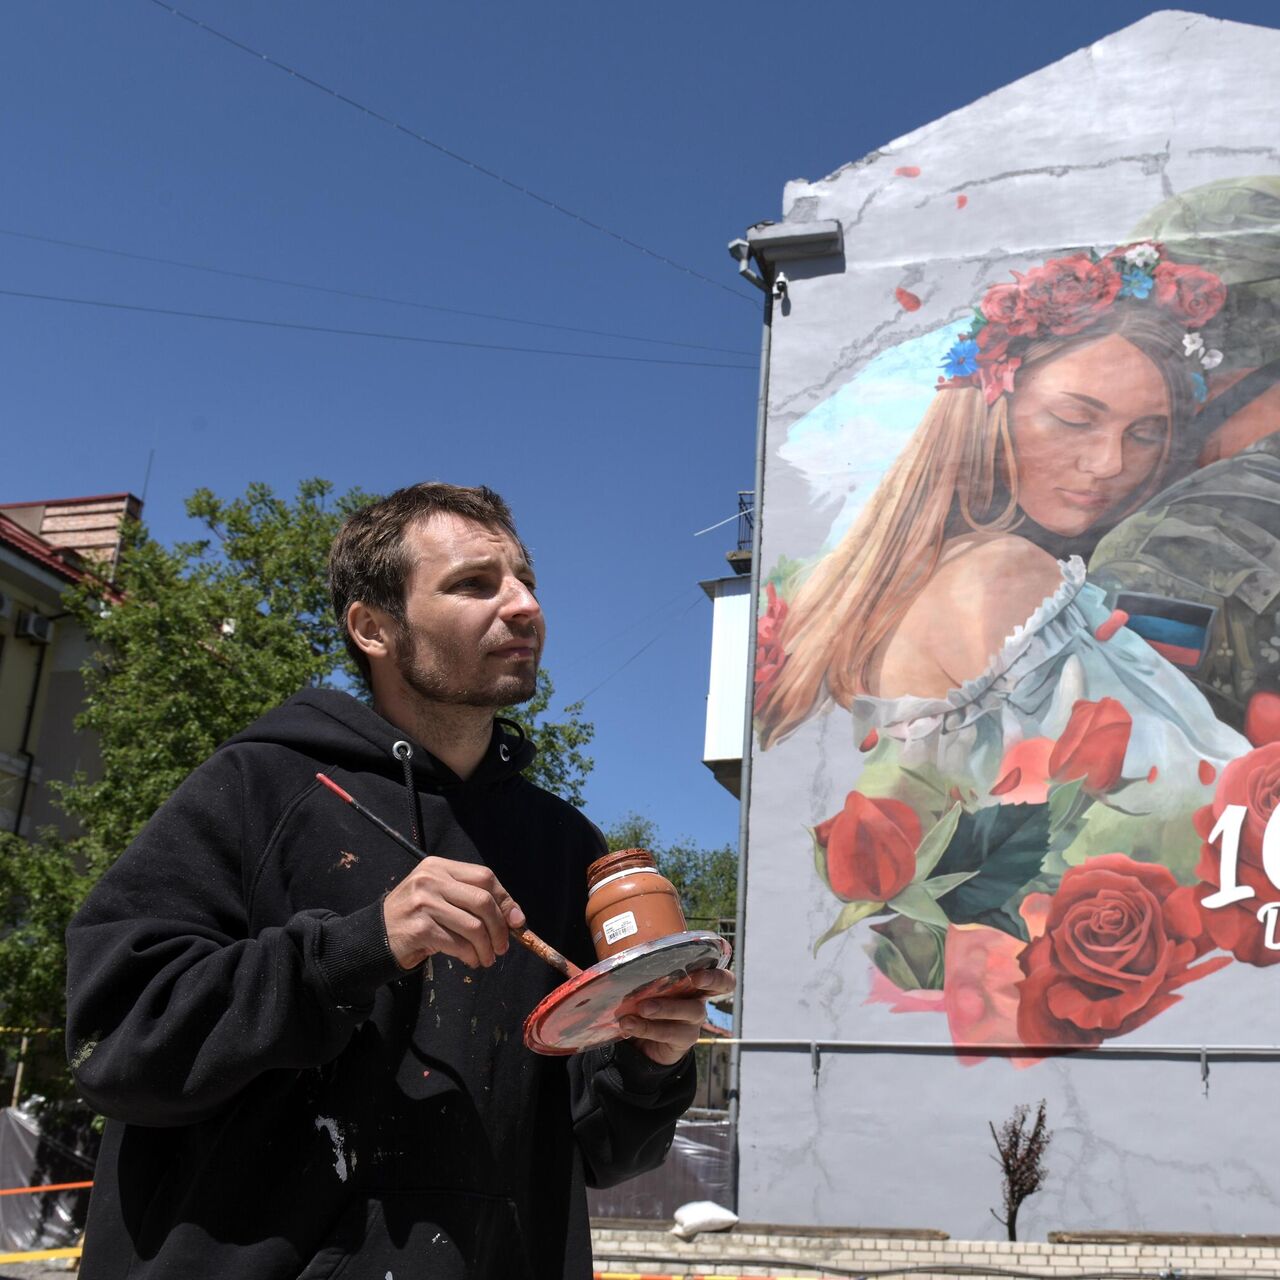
336,1136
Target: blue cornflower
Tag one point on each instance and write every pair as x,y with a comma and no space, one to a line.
1135,283
1199,387
962,359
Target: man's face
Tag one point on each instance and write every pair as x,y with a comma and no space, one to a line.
473,630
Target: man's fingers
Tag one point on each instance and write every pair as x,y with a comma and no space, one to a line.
484,879
475,933
452,908
480,906
663,1041
674,1009
714,982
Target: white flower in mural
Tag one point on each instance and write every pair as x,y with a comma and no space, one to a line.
1211,358
1191,344
1143,256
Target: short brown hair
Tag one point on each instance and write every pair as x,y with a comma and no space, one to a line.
368,562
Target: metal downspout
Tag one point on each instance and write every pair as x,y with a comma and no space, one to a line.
757,525
25,749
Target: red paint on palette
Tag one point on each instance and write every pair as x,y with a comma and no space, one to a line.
1153,774
907,171
588,1009
869,741
1207,772
961,201
907,300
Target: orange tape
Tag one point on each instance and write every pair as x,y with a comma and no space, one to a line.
52,1186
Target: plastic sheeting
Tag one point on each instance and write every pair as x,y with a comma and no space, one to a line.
37,1147
696,1168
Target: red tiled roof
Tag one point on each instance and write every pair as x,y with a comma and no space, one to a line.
68,502
35,548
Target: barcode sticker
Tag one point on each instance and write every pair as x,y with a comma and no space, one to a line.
620,927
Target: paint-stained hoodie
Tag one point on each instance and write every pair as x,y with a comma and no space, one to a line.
283,1100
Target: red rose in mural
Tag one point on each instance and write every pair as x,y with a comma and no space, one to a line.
1002,307
1192,294
981,990
1093,744
770,656
1119,942
871,848
1065,294
993,343
1262,718
1252,780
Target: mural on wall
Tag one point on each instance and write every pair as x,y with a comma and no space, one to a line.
1050,605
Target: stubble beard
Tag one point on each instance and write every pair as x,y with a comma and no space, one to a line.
433,683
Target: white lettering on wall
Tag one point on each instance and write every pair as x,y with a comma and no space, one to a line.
1268,915
1228,829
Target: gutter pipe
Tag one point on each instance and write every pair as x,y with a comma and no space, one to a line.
742,252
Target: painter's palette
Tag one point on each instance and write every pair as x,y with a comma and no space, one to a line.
586,1010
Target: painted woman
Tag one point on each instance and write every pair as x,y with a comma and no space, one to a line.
943,620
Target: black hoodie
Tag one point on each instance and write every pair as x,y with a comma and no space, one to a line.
284,1101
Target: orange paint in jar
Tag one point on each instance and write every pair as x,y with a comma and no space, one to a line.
629,901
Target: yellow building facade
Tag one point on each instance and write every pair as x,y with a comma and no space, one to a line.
46,547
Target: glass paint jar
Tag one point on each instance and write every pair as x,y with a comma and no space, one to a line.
629,901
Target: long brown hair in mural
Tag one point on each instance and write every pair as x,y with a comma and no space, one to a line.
1060,818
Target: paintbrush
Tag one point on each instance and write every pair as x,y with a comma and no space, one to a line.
526,937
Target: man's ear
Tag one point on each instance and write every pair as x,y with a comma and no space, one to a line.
371,629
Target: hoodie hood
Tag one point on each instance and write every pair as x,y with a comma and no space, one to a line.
336,727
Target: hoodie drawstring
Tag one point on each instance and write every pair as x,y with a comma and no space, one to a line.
403,751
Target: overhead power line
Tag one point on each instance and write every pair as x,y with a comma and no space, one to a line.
362,333
648,644
364,297
450,153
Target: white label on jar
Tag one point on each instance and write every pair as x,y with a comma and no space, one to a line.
618,927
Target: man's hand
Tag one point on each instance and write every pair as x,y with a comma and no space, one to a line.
449,908
666,1027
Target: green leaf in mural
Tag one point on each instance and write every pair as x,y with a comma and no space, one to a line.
935,842
916,902
923,787
910,954
851,913
785,575
1171,842
1066,804
939,885
1005,846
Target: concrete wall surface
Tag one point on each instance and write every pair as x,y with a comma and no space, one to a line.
892,1129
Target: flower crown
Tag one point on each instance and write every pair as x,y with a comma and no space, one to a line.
1066,295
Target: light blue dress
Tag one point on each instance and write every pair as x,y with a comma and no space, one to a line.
1029,688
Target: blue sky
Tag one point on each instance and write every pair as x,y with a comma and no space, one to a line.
673,124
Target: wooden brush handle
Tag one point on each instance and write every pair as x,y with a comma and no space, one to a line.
545,951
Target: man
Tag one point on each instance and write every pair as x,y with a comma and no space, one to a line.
308,1044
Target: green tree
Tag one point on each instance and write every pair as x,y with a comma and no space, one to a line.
705,879
559,765
192,643
195,641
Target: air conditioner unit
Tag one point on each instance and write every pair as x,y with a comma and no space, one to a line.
32,626
6,605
